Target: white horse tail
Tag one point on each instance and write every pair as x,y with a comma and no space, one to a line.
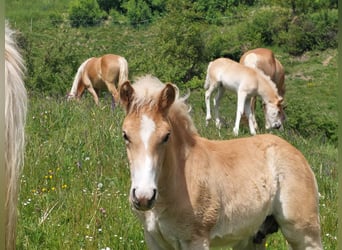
123,74
73,91
207,78
15,119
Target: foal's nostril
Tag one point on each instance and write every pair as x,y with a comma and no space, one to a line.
154,194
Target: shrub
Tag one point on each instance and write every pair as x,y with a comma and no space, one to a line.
85,13
138,12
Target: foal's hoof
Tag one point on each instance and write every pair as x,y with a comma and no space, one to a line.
236,131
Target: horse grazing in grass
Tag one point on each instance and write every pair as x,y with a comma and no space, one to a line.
99,73
193,193
15,117
264,60
224,73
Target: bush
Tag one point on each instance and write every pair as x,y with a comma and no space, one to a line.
138,12
179,46
85,13
309,32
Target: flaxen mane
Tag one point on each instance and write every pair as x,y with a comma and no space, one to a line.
15,115
147,90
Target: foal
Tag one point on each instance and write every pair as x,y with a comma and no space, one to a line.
99,73
193,193
264,60
224,73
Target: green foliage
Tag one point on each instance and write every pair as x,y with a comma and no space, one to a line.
309,32
110,5
179,47
85,13
138,12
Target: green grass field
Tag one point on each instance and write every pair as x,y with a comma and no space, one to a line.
75,183
76,179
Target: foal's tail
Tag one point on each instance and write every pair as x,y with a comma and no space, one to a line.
15,118
73,91
207,79
123,74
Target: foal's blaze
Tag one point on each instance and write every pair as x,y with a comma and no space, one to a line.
145,144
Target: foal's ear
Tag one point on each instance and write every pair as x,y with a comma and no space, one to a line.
126,95
167,97
280,101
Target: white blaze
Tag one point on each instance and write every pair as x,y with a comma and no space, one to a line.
144,174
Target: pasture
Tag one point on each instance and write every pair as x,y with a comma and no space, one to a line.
75,183
76,179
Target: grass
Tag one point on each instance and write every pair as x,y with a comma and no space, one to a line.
76,179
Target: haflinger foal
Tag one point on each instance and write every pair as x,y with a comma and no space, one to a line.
264,60
15,118
193,193
224,73
100,73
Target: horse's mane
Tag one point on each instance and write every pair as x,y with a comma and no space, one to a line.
15,117
147,90
267,78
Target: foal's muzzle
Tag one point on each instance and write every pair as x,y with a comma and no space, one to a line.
143,203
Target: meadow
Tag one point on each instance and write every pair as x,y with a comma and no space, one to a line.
75,183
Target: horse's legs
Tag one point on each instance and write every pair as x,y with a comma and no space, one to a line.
253,107
113,91
93,92
80,90
249,115
217,99
241,98
208,93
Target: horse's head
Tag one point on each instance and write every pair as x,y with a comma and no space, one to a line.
146,131
274,114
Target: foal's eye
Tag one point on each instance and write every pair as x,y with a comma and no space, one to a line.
126,138
166,137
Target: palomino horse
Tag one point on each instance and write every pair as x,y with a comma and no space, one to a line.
264,60
99,73
194,193
225,73
15,117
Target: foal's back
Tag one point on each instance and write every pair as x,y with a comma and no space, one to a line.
231,74
260,176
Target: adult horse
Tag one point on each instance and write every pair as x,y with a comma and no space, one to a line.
264,60
193,193
224,73
15,117
99,73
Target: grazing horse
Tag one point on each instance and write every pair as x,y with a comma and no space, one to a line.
264,60
15,117
99,73
224,73
193,193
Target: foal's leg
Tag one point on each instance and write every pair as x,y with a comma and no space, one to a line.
113,91
249,115
217,99
253,106
90,88
241,99
208,93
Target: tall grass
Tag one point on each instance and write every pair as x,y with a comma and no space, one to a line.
76,179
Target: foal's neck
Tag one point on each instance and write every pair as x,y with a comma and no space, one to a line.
267,89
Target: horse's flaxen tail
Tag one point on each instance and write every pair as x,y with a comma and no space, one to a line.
73,91
207,78
123,75
15,118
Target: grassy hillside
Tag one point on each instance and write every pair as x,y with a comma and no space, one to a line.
76,178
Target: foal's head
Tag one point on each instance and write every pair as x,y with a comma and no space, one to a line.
146,131
274,114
